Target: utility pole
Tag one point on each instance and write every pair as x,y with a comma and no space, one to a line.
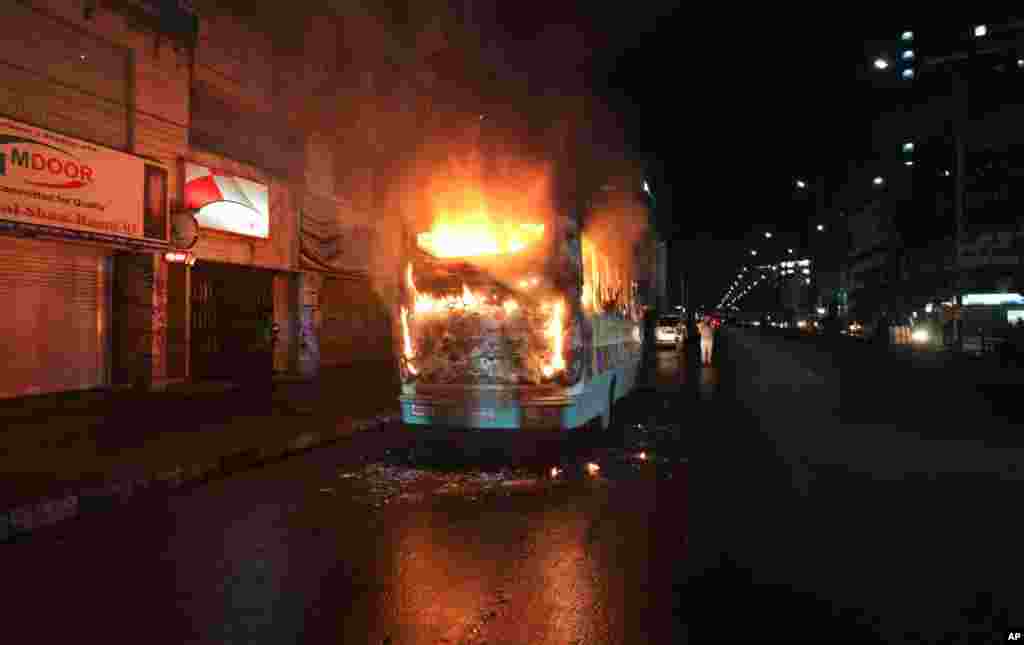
960,121
816,244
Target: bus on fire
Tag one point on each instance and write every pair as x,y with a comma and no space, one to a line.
525,324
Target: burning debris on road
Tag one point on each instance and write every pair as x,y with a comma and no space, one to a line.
381,484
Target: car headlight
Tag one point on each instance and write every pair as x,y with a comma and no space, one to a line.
919,336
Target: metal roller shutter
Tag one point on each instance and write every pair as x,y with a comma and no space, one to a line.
53,332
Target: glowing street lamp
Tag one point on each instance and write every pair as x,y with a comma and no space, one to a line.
878,181
980,31
881,63
768,235
821,227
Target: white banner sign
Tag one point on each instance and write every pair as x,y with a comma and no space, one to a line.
993,299
48,178
226,202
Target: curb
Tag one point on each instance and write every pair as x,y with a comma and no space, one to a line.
22,520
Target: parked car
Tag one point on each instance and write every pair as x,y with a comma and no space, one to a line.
669,331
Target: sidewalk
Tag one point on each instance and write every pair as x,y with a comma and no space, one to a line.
66,454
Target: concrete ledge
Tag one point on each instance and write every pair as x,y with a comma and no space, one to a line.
22,520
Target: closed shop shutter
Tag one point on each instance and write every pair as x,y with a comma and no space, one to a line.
54,328
355,323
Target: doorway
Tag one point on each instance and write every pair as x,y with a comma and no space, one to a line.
228,336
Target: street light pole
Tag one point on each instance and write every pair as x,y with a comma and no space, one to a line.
959,198
815,250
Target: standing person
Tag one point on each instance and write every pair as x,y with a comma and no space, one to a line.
882,329
707,340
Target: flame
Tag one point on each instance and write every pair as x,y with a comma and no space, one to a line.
468,299
477,233
605,282
554,332
428,304
408,279
406,338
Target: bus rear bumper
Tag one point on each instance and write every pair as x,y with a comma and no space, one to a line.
548,414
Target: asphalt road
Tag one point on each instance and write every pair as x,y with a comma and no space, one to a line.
850,494
390,539
781,492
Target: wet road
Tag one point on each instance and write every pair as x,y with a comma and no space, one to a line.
389,540
785,491
857,498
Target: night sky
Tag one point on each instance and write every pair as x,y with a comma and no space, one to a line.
724,105
729,110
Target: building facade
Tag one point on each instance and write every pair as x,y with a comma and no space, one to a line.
176,184
94,124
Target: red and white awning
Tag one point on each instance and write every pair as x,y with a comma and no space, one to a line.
226,202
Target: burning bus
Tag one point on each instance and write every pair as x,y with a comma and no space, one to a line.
515,318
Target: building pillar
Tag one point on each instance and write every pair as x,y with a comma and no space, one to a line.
285,313
139,320
179,322
308,321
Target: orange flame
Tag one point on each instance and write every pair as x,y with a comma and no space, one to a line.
604,280
477,233
407,340
428,304
554,332
408,279
468,299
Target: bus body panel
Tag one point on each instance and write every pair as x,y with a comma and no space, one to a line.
572,411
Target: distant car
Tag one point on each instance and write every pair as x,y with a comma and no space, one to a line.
669,331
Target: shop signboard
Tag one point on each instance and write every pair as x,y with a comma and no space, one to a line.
226,202
54,180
